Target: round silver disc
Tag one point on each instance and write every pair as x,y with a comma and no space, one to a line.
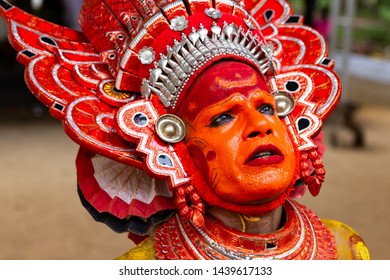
170,128
285,103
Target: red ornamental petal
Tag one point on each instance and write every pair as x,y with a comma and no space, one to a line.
315,188
198,218
119,189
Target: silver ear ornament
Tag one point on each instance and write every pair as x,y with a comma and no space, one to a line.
285,103
170,128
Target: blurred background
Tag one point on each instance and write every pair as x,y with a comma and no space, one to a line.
40,213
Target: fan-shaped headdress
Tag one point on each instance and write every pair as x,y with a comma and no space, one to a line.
117,85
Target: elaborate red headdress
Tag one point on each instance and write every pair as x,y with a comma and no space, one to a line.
115,85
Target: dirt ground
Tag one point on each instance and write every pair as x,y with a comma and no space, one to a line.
41,216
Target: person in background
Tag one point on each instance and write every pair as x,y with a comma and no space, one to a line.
323,23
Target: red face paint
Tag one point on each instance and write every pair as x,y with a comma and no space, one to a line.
211,155
217,83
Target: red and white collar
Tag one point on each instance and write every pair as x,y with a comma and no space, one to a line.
303,237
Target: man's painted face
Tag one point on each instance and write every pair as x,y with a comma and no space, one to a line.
238,142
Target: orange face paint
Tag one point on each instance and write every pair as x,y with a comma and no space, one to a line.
240,145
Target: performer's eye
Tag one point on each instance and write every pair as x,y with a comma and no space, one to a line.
221,119
266,109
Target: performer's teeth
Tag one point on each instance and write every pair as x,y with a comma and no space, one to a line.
263,154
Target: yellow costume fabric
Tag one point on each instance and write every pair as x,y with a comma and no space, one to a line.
350,246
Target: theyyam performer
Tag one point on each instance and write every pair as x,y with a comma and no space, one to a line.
198,122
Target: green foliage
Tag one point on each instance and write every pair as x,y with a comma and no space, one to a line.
375,33
324,3
371,32
298,6
384,13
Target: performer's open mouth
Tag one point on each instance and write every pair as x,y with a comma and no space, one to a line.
265,154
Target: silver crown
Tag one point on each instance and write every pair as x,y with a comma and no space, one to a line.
184,58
